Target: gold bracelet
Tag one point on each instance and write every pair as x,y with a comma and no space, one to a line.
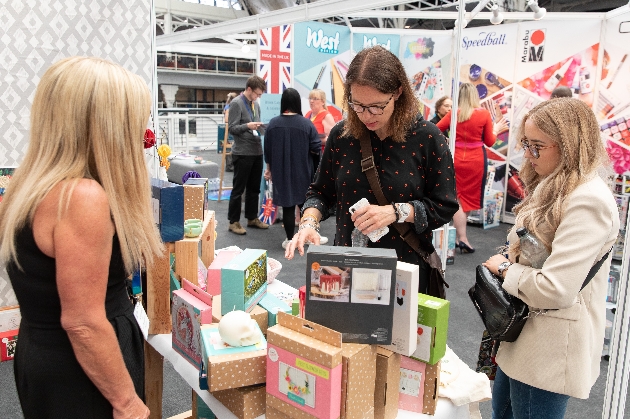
309,217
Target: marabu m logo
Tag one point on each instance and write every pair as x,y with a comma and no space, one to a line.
485,38
533,45
370,42
323,43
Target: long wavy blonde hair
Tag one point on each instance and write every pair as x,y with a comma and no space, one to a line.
87,121
467,101
572,125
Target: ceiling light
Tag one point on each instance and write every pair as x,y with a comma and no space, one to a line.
407,27
497,16
539,12
463,24
245,47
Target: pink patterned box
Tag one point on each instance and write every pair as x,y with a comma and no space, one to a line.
418,386
297,383
214,270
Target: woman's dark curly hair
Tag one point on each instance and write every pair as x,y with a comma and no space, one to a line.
378,68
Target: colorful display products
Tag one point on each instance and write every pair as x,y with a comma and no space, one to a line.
432,329
244,281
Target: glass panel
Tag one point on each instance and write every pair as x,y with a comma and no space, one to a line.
226,65
207,64
186,62
245,67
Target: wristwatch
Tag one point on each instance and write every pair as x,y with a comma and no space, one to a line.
503,267
404,210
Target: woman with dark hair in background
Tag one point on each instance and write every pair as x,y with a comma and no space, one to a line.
410,155
229,167
442,106
290,140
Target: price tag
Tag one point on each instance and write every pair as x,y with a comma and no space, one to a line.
142,319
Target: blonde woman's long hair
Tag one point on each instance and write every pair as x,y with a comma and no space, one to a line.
573,126
87,121
467,101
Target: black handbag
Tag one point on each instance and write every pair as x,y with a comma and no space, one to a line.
503,314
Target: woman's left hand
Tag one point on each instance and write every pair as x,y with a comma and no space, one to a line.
373,217
493,263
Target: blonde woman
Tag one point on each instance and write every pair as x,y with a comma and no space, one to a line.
474,129
74,223
319,115
568,207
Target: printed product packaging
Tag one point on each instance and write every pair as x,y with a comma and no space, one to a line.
214,270
195,198
244,402
224,367
357,380
8,340
386,387
418,386
168,209
273,305
404,334
352,290
244,281
304,369
433,315
258,313
191,308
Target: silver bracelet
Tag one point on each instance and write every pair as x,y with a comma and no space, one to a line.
308,225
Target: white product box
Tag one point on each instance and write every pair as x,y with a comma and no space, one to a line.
404,340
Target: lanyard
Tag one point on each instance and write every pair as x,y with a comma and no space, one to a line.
252,111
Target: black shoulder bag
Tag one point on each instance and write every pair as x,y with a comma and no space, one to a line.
436,282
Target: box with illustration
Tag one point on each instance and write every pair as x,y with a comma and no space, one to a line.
404,339
244,281
418,386
351,290
304,369
191,308
386,386
432,329
225,367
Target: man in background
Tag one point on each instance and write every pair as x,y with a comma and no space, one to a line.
247,155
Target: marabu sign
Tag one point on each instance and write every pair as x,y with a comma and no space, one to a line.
533,45
484,39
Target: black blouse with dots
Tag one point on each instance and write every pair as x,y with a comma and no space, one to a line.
418,171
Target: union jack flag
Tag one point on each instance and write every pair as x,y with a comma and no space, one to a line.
274,61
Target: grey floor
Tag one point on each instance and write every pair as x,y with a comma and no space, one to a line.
465,327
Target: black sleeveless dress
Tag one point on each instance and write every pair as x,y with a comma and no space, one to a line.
50,382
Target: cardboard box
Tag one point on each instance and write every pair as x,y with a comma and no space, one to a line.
214,270
224,367
404,334
195,198
352,290
168,209
244,281
258,313
189,249
10,318
271,413
357,380
244,402
432,330
8,341
273,305
304,369
386,386
191,308
418,386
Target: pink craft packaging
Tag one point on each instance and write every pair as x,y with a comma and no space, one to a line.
191,308
213,284
418,386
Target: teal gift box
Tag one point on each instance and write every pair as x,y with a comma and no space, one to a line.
273,305
244,281
433,315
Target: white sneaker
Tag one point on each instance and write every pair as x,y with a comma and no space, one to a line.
285,243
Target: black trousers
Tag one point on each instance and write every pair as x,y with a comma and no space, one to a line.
288,219
247,175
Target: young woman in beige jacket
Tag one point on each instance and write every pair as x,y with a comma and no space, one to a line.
571,210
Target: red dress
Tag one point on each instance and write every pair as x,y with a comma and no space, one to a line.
318,121
470,156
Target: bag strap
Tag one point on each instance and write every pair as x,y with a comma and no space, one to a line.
594,269
367,166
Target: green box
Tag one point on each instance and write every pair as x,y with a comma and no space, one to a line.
433,315
273,305
244,281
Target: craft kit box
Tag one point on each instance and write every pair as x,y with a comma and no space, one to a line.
418,386
213,284
244,402
191,308
168,209
404,340
358,377
386,386
351,290
273,305
244,281
10,318
225,367
195,198
258,313
304,369
8,341
432,325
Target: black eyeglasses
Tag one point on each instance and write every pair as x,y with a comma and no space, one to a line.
374,110
534,149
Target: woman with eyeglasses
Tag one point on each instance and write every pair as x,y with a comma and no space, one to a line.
571,210
474,130
410,155
319,115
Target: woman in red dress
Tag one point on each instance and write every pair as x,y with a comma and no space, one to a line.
474,129
319,115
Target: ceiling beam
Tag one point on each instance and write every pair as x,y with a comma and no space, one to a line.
199,11
308,11
418,14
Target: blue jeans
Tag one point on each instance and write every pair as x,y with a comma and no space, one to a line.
512,399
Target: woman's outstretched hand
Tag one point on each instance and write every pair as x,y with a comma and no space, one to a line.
304,236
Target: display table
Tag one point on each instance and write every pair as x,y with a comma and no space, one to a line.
163,345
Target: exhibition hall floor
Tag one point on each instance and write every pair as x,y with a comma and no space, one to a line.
465,327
